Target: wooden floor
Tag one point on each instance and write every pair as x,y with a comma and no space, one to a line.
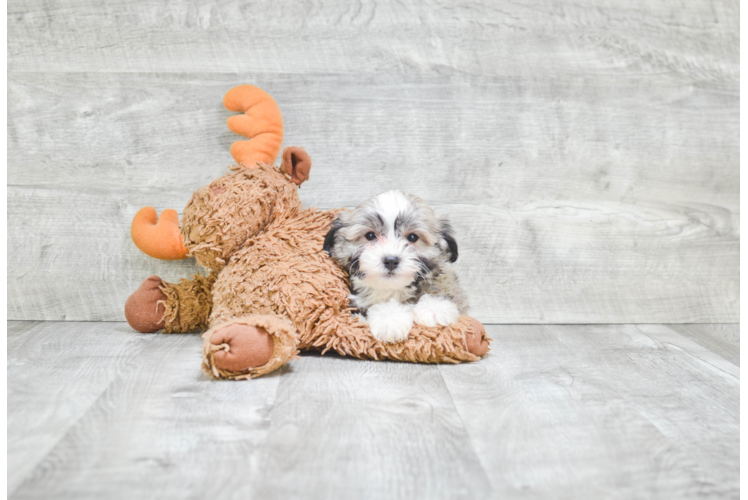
616,411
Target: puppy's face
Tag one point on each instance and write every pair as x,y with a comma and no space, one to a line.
391,241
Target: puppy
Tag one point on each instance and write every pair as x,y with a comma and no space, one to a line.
398,255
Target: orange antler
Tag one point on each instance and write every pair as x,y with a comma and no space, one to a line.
261,122
161,239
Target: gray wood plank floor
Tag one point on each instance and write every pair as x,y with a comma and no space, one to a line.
595,411
587,152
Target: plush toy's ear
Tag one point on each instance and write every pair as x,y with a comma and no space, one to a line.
448,236
297,163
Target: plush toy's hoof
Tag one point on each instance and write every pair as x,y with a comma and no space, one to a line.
248,347
142,310
476,341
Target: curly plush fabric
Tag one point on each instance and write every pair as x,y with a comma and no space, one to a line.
222,216
284,271
271,289
188,303
268,269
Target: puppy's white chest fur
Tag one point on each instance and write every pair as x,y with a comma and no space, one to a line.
390,321
366,297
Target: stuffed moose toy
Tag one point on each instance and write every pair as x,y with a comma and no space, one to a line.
270,289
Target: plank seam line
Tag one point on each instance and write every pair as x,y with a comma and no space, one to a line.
72,425
464,427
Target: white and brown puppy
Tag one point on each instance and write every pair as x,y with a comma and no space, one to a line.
398,255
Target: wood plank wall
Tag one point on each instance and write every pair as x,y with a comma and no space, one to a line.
587,152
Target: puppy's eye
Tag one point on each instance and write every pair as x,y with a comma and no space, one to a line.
370,236
412,237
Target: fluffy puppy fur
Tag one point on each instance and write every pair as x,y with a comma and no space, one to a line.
398,254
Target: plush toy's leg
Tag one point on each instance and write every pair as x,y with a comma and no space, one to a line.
249,346
174,307
145,308
188,303
476,339
465,340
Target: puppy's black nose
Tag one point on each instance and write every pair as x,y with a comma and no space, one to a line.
391,263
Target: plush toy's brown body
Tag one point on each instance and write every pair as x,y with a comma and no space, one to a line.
271,290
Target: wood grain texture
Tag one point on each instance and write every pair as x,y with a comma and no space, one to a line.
151,427
548,39
587,154
344,429
578,412
743,448
723,339
658,412
744,241
56,373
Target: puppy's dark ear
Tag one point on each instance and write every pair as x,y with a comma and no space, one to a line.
448,235
330,238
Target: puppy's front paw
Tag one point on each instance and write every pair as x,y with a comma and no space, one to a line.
390,321
433,311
